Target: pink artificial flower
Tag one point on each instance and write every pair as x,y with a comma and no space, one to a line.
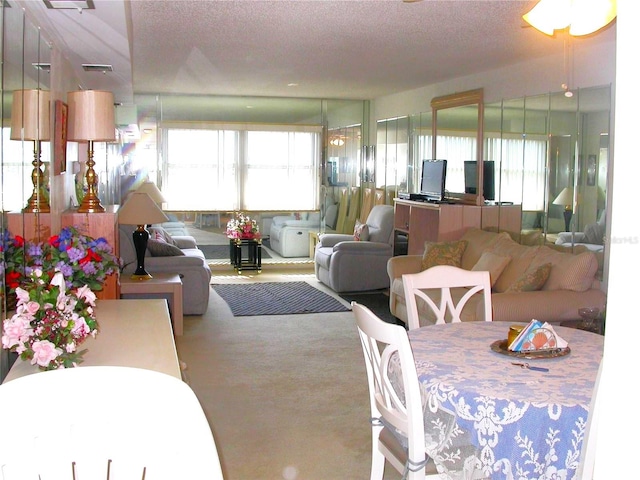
85,293
80,327
17,330
70,347
44,352
31,308
22,295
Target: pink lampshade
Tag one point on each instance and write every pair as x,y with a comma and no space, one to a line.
30,110
91,116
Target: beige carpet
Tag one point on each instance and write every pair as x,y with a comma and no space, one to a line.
286,395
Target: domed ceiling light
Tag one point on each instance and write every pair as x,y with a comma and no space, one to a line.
582,17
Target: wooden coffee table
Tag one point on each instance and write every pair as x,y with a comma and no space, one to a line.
161,283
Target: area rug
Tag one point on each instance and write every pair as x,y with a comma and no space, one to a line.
276,298
378,303
221,252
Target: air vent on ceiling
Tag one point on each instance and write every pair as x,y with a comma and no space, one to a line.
70,4
96,67
45,67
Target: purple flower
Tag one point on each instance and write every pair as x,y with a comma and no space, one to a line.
75,254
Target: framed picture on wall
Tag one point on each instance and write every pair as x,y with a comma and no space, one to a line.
60,138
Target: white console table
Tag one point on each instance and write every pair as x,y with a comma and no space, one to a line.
133,333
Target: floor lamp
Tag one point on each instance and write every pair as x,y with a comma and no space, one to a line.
30,121
140,210
91,118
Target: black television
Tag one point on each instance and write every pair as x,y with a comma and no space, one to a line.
488,182
434,173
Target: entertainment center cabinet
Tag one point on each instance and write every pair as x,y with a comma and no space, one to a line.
424,222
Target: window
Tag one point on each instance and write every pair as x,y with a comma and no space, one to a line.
522,172
248,168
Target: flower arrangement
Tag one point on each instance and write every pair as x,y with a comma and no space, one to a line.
242,226
50,321
82,260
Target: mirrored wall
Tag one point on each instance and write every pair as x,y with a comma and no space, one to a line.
548,154
26,58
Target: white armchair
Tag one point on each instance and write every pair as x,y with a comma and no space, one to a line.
347,265
289,236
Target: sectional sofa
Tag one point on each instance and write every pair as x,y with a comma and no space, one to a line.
569,284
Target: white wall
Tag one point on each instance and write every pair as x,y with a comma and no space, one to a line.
593,65
616,455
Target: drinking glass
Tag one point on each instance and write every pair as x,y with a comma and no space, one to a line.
589,315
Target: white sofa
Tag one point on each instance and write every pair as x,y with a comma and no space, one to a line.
289,234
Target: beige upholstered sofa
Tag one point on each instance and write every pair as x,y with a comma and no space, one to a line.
571,281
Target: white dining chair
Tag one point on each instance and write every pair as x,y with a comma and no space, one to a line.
113,423
406,448
445,278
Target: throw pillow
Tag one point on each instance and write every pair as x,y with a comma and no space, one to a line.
492,263
158,232
532,279
361,232
443,253
163,249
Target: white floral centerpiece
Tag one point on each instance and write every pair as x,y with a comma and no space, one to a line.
51,321
242,226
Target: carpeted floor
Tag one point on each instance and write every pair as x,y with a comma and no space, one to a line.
286,396
377,302
276,298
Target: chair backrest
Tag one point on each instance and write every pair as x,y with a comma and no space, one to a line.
380,224
104,422
367,203
380,343
379,197
343,209
354,210
444,278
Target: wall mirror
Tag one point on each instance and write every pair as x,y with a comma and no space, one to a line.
24,50
458,132
553,156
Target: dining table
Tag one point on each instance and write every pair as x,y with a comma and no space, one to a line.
526,417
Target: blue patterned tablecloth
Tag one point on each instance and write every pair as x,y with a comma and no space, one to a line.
525,424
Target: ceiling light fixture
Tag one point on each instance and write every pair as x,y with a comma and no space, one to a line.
582,17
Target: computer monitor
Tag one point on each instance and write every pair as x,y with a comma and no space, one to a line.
434,173
488,182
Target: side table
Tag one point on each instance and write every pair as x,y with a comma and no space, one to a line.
253,259
313,241
161,283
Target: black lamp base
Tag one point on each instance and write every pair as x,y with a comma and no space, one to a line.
140,240
567,220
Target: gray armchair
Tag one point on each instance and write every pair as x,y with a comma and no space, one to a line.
347,265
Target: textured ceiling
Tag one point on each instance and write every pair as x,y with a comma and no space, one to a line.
356,49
